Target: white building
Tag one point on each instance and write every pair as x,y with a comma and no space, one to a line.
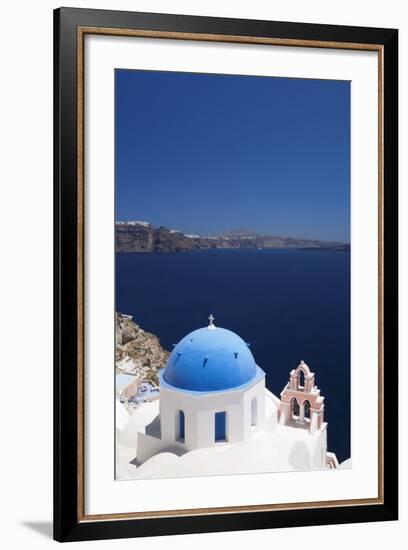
215,415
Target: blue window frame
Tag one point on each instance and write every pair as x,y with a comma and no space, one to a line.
181,425
220,426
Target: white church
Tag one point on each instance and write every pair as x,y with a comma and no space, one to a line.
216,416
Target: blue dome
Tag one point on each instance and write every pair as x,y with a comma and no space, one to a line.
210,359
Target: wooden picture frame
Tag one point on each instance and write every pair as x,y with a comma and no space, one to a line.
70,27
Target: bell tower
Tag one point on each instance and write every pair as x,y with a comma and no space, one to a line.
301,402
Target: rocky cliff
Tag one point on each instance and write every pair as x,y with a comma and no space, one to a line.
138,352
141,236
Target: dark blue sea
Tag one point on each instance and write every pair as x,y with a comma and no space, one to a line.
288,304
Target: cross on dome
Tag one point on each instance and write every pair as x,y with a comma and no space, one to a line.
211,319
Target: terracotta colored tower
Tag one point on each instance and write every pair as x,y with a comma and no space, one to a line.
301,402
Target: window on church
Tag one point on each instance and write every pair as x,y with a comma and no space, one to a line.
220,426
254,412
307,408
181,430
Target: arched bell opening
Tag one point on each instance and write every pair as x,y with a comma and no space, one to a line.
306,408
301,380
294,407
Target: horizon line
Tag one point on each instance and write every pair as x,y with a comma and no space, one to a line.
225,232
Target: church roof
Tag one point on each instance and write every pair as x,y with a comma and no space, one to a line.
210,359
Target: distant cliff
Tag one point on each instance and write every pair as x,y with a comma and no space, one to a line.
138,352
139,236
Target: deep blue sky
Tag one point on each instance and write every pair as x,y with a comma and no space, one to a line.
207,153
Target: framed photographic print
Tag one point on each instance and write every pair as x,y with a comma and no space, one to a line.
225,274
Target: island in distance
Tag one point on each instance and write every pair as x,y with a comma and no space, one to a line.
141,236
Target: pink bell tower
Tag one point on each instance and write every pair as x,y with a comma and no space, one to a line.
301,402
